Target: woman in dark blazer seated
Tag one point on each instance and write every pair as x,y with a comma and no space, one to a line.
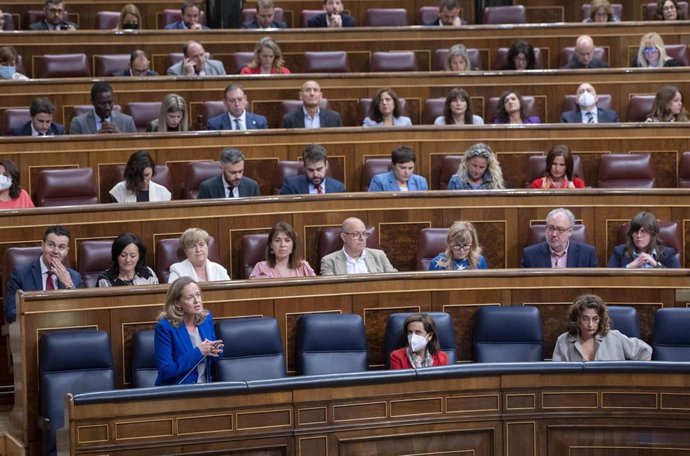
422,348
643,248
185,341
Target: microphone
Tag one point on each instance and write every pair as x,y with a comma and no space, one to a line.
203,358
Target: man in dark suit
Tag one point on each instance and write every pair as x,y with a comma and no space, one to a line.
231,183
55,17
265,13
558,251
586,110
191,16
45,273
237,117
138,65
448,14
333,17
584,55
102,118
311,115
41,123
314,181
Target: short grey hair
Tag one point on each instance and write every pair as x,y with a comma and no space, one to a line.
231,155
567,212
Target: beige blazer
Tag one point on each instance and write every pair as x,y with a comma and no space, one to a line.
336,264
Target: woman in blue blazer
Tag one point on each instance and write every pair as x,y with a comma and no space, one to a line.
185,341
401,178
643,247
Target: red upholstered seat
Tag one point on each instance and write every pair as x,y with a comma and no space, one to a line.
669,233
639,107
285,169
168,251
684,171
326,62
252,250
679,52
93,257
536,168
65,187
449,167
386,17
372,167
239,60
433,107
432,241
537,233
63,66
568,53
9,22
305,15
626,171
426,14
106,65
394,61
197,172
143,112
161,176
13,118
570,101
512,14
107,20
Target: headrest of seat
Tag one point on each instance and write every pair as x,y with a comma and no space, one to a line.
75,350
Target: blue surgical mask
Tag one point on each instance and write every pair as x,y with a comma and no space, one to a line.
5,182
6,72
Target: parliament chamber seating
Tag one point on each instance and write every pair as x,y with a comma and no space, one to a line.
331,343
63,66
249,14
287,106
395,336
393,61
372,167
684,170
239,60
307,14
511,14
9,23
639,107
65,187
168,251
93,257
285,169
175,57
669,233
449,167
626,171
509,334
440,55
385,17
112,174
198,172
252,250
536,168
106,65
492,108
433,107
325,62
170,15
365,104
625,319
253,350
541,59
143,113
432,241
603,101
617,10
671,338
330,241
426,14
144,367
537,233
210,109
568,53
679,52
648,10
107,20
14,118
74,362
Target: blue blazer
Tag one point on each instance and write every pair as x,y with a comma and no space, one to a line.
387,182
620,260
179,25
214,187
255,25
25,130
175,356
603,116
296,185
28,277
580,255
320,20
222,122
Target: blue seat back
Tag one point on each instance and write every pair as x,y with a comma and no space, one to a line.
144,368
625,320
671,338
508,334
253,350
331,344
395,335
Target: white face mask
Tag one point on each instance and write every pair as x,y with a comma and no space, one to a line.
586,100
5,182
417,343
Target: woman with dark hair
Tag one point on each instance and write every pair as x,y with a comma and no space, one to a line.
185,341
520,56
559,170
422,348
9,58
172,115
457,110
385,111
12,195
402,177
512,109
283,256
138,186
268,59
601,12
643,248
590,337
129,264
462,250
668,106
668,10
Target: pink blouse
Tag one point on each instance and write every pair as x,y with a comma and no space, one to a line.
23,201
263,271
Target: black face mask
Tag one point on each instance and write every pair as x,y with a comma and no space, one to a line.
130,26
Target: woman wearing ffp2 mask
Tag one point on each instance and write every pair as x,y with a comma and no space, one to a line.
423,349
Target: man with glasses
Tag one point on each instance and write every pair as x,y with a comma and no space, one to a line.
559,251
314,180
584,55
45,273
237,117
355,257
139,65
55,17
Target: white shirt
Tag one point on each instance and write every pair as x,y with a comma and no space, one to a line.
34,132
235,190
312,187
44,275
595,118
356,265
243,121
312,122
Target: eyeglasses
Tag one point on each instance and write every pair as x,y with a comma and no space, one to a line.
586,319
560,230
641,232
461,246
358,234
649,50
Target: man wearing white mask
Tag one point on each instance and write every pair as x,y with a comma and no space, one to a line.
586,111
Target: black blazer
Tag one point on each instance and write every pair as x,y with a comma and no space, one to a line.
580,255
127,73
320,20
25,130
295,119
215,188
255,25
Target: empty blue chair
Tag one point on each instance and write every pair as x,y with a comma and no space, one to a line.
78,361
508,334
331,344
395,336
625,320
253,350
144,368
671,338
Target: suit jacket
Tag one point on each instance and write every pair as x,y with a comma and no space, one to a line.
575,64
620,260
580,255
387,182
255,25
222,122
28,277
55,130
179,25
603,116
437,22
85,124
320,20
211,68
43,25
297,185
127,73
176,358
336,264
215,188
295,119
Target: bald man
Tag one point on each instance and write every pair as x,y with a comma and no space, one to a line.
195,63
586,110
584,55
310,114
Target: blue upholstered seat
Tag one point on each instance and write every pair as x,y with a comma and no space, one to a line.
395,336
671,338
144,368
508,334
625,320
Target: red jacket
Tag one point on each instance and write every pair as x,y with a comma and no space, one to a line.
399,359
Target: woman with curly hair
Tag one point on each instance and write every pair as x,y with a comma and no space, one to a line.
462,250
512,109
479,170
520,56
668,10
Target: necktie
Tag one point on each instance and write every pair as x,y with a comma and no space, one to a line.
590,117
49,281
238,124
319,189
230,194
